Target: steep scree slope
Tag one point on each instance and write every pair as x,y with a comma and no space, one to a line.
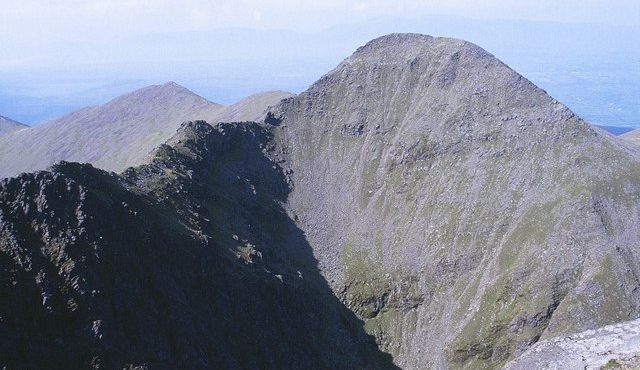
457,208
186,262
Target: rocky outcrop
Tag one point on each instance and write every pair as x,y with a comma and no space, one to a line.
187,262
611,347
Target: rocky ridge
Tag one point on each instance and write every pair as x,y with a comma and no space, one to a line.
186,262
611,347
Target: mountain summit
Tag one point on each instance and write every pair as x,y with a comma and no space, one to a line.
456,207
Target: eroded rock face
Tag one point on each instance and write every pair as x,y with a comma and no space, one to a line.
457,208
187,262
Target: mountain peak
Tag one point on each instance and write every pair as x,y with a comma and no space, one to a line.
430,84
401,47
172,84
112,136
406,145
159,94
394,39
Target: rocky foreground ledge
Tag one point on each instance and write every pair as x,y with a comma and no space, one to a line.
610,347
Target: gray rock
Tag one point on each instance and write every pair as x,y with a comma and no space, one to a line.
458,209
611,347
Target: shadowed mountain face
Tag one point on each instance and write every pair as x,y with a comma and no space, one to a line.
187,262
121,133
457,208
8,125
453,207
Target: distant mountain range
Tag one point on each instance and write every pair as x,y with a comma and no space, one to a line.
421,205
122,132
